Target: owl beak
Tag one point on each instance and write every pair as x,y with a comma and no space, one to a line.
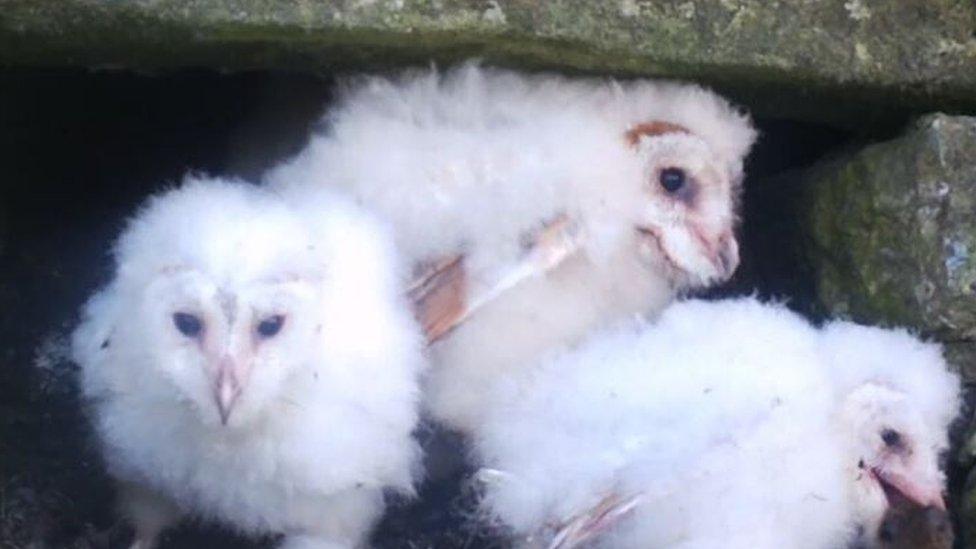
228,387
725,256
900,481
710,258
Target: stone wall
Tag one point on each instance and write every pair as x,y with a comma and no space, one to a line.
885,231
837,59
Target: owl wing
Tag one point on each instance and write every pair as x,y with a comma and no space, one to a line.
444,293
593,522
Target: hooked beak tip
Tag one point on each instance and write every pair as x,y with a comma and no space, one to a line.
726,259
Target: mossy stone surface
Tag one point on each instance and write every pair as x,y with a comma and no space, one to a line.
892,231
919,54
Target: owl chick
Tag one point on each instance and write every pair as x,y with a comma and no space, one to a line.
534,208
253,364
730,424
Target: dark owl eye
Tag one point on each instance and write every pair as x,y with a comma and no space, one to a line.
270,326
672,179
188,325
891,438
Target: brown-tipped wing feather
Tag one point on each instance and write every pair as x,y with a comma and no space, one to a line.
588,525
444,293
439,296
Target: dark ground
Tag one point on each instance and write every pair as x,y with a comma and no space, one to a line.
80,150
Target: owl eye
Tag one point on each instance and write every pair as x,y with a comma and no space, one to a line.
672,179
270,326
188,324
891,438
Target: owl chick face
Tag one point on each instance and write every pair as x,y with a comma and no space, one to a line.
226,347
689,217
893,453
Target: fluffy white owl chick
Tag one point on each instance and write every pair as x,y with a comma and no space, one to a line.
253,364
895,400
729,424
556,205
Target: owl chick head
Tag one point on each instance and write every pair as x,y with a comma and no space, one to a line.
893,454
223,297
897,399
691,145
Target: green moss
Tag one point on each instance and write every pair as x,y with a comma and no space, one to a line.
891,230
906,54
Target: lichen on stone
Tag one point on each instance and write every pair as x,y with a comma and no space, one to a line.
919,53
891,230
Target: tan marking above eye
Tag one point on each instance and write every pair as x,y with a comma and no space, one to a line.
652,128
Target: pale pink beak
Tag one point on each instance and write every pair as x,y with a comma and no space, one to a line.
923,494
726,256
228,387
721,251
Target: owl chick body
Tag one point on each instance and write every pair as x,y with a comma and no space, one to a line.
253,364
476,163
730,424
